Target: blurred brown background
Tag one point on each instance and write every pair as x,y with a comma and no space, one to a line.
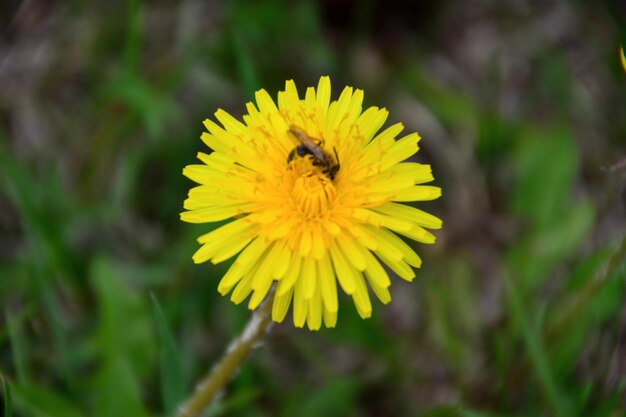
519,307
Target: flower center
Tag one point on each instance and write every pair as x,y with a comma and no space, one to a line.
313,192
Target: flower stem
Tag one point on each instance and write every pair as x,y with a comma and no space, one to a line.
221,373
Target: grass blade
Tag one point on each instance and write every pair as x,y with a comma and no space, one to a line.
18,348
6,397
172,375
536,351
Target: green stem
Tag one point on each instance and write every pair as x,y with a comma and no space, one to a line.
220,375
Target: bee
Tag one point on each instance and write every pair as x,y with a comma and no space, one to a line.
328,164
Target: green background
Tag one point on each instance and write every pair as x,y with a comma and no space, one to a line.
519,308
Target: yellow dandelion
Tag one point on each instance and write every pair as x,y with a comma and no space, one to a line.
314,196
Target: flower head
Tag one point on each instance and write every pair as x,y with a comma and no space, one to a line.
314,197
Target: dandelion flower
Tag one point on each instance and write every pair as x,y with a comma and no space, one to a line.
312,195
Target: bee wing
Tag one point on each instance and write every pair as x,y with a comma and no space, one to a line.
308,143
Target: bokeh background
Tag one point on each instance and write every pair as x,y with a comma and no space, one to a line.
519,308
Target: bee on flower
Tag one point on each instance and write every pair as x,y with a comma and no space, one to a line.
314,194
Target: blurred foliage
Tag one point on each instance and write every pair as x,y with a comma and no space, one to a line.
519,309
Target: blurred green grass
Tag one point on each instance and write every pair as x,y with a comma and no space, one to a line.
518,310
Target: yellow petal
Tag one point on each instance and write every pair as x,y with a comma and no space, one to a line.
403,270
244,265
289,98
201,174
308,277
230,123
338,109
388,251
418,234
352,251
419,193
375,272
262,279
242,290
281,306
314,313
318,247
361,298
253,252
236,227
228,249
283,262
328,284
299,305
211,214
393,241
330,318
265,102
309,96
416,215
305,242
382,293
291,276
371,121
401,150
233,276
323,92
344,271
